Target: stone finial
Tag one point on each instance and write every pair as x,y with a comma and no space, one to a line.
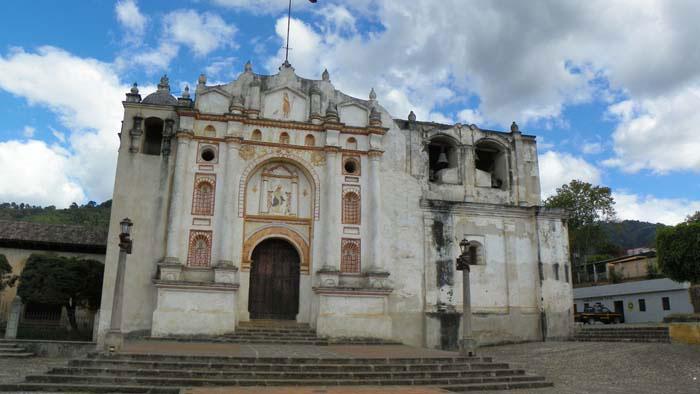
164,83
133,96
372,95
186,92
325,75
248,67
514,128
202,80
411,117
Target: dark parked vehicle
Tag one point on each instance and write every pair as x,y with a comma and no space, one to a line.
599,313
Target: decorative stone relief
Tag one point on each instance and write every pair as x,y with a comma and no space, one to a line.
246,152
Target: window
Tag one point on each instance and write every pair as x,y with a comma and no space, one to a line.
351,143
310,140
208,154
491,166
200,249
350,256
154,136
203,198
351,208
351,166
566,272
575,308
586,306
666,303
555,267
642,305
256,136
443,161
284,138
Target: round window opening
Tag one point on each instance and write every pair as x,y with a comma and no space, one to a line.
350,166
208,154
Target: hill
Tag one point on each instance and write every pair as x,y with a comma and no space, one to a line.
90,214
629,234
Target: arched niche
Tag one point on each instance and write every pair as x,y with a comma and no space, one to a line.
491,164
281,164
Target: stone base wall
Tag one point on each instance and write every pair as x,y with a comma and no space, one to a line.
187,309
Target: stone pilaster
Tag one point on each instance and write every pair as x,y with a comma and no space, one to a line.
375,212
172,248
331,217
228,230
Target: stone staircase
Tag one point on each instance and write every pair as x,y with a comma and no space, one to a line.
278,332
162,373
12,349
622,334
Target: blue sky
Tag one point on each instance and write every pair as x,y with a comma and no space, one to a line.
611,89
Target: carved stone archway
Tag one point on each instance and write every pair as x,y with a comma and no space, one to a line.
277,231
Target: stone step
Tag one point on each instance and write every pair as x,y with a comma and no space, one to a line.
497,386
16,355
271,375
284,360
620,340
208,366
85,388
192,382
15,349
621,332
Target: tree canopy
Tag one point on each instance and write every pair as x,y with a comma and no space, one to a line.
588,206
7,279
678,251
68,281
90,214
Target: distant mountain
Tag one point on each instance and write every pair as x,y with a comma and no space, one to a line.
629,234
90,214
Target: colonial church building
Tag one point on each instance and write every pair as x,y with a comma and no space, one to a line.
280,197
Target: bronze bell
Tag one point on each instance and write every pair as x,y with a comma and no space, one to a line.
442,161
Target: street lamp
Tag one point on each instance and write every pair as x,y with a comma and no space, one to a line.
125,235
467,345
115,339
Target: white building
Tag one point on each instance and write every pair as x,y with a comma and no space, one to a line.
645,301
276,196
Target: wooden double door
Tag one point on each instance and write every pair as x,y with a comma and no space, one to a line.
274,281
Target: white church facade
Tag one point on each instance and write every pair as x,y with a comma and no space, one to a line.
280,197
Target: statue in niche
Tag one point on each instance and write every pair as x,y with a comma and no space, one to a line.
278,201
286,105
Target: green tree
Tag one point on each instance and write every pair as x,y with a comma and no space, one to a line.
68,281
678,253
7,279
588,206
693,218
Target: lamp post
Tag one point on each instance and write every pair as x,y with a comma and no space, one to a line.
114,339
467,345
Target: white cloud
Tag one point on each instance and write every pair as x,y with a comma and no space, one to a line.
85,94
557,169
653,209
221,67
36,173
151,60
28,131
592,148
470,116
525,61
202,33
131,18
659,134
260,6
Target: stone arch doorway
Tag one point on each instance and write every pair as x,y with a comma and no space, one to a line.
274,281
